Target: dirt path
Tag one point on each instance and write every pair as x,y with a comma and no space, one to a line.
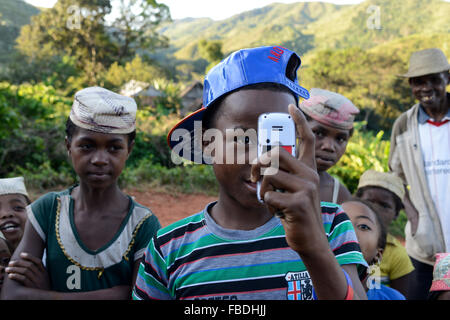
170,208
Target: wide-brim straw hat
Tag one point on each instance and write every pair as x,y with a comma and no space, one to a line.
425,62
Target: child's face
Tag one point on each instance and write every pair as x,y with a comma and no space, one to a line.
98,158
240,110
384,199
13,216
330,144
366,228
5,255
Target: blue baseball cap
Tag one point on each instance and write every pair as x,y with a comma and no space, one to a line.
273,64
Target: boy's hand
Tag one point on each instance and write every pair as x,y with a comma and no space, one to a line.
29,271
299,203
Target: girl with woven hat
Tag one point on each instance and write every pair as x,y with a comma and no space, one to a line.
330,116
13,200
94,234
386,190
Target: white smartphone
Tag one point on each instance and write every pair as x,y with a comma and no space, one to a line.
275,129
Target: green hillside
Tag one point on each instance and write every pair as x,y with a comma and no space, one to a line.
308,26
276,23
13,15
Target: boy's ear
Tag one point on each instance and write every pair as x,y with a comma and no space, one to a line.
67,143
130,148
208,157
379,255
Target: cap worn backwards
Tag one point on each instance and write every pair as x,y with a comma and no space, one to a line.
271,64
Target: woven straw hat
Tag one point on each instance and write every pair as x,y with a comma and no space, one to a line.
386,180
101,110
425,62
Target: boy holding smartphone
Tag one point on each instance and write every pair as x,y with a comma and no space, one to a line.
236,248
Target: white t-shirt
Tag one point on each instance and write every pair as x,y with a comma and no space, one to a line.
435,144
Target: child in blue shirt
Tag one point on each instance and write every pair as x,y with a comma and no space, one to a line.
371,234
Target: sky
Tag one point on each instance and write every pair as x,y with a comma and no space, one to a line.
214,9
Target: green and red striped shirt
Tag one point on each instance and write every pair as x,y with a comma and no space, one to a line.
195,258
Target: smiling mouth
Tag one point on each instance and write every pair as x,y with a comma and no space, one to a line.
427,98
9,227
250,184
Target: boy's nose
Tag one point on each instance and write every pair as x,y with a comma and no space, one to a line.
5,214
99,158
328,145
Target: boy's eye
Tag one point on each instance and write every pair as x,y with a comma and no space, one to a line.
116,148
318,133
385,205
85,147
243,140
18,208
364,227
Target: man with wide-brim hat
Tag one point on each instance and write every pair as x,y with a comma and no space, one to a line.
420,155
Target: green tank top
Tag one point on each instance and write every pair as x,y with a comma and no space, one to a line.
72,267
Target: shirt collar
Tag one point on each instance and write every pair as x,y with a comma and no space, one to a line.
422,116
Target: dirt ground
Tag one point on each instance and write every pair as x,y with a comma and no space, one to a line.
170,207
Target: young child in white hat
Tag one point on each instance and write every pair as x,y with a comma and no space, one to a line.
13,201
94,234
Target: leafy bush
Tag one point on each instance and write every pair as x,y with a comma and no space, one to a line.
32,134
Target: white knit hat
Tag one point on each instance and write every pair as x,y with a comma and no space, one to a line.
13,186
101,110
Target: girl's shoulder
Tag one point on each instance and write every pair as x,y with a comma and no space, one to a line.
49,198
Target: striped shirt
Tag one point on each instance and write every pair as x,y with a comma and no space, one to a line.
195,258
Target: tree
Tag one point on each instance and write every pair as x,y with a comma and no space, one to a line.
369,79
135,27
86,31
211,50
136,69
